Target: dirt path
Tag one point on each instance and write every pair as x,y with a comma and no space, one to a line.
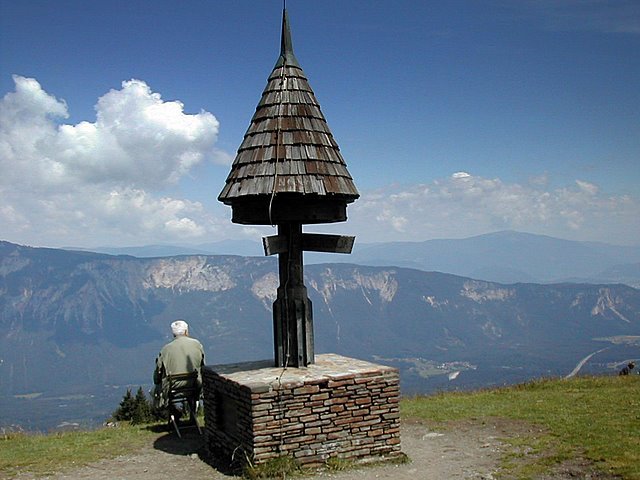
463,451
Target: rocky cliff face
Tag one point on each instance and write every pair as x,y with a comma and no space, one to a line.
71,318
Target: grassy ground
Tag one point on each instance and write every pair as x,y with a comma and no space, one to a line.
596,417
47,454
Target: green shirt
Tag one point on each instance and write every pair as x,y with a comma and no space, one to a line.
182,355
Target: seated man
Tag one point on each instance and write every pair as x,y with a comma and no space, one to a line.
183,355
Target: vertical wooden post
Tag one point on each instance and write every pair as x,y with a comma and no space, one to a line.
292,314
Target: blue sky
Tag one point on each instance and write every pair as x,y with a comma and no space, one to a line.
118,119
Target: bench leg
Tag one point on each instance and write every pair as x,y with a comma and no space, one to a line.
193,414
175,425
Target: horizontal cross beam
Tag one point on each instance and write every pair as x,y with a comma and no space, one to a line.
311,242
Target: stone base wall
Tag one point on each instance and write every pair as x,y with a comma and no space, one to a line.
337,407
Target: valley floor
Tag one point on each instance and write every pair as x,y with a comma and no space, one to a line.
464,450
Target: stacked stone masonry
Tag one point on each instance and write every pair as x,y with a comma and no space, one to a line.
337,407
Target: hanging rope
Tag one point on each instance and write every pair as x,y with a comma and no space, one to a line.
283,84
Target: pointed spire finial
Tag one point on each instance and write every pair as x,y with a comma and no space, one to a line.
286,46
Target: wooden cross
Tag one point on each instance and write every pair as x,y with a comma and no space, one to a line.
292,312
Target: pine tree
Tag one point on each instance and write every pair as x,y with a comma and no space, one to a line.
142,408
126,409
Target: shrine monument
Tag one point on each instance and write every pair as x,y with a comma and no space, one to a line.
289,172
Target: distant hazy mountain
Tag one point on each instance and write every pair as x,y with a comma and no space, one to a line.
72,319
509,257
506,257
246,248
628,274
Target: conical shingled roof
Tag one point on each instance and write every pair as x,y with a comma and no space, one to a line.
288,152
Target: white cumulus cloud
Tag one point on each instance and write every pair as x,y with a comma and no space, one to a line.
464,205
587,187
100,181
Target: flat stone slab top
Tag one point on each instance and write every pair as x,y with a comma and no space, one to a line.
263,376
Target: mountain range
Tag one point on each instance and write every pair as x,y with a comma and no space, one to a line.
506,257
73,321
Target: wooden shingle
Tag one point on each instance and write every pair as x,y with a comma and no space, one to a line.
288,147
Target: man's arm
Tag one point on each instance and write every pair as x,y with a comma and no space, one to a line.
158,373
